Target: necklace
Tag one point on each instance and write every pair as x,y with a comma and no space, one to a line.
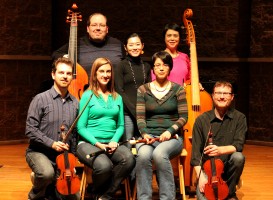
133,74
164,88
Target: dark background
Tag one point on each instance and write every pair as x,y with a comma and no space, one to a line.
234,42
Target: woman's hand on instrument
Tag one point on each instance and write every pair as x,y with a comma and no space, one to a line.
113,146
149,139
212,150
166,135
60,146
102,146
201,87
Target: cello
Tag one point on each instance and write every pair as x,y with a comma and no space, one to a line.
215,188
80,77
198,101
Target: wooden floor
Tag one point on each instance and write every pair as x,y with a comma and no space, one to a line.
257,176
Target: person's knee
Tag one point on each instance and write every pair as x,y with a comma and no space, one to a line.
46,175
238,159
102,167
130,161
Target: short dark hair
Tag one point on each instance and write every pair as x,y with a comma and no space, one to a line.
224,84
165,57
64,60
131,35
172,26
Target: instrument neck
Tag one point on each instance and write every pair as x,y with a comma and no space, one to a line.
72,50
194,75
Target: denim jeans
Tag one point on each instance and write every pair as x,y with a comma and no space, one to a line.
108,169
128,131
44,178
160,154
232,172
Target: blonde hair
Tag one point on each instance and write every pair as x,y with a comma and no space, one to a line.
93,82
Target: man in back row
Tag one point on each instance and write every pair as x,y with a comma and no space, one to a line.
95,44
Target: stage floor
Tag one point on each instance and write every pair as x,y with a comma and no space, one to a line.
257,176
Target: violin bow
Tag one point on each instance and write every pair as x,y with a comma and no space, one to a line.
202,155
75,121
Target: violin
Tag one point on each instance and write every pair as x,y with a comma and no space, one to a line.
215,188
68,182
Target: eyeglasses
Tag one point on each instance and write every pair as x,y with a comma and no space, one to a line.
225,94
98,25
157,66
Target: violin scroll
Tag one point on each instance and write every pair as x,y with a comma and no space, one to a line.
188,25
73,15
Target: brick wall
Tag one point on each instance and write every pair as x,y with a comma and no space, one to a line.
229,34
25,47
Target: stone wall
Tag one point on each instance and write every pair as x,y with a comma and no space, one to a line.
234,42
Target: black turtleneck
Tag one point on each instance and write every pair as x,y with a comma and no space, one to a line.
128,77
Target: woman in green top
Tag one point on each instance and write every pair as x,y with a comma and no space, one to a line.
100,128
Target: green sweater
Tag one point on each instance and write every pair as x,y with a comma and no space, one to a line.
101,121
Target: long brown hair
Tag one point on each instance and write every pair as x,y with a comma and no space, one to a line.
93,82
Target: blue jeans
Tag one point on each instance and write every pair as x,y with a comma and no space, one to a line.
232,172
45,177
108,169
160,154
128,131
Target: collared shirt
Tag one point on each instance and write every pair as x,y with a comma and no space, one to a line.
229,131
47,112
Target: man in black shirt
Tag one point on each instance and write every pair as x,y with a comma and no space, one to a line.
228,127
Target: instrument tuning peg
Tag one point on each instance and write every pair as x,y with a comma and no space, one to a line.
182,27
74,6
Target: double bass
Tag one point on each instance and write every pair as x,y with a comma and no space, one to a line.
80,77
198,101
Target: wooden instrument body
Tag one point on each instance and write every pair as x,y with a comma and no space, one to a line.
215,181
205,105
80,80
80,77
198,101
68,182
